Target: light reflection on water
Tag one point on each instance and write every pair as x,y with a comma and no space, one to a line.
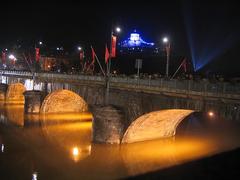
58,150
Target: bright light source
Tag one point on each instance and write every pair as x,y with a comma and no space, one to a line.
40,42
12,57
75,151
6,49
34,176
118,29
165,39
58,48
2,148
211,114
79,48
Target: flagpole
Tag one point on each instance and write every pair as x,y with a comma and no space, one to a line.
108,72
178,69
99,63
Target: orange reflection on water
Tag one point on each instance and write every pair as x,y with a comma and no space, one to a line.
65,117
69,143
13,112
74,136
79,153
148,156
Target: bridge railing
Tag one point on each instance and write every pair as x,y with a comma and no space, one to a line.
187,85
174,84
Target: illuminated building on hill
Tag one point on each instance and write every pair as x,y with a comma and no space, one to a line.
135,44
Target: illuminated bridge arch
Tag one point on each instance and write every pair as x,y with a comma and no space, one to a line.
154,125
15,93
63,101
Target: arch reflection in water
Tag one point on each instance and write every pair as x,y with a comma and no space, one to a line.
73,137
54,118
148,156
12,113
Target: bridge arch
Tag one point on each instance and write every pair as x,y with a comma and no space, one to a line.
63,101
15,93
154,125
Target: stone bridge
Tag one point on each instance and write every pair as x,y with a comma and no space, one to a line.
137,110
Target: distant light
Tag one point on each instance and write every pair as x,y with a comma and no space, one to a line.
165,39
48,66
6,49
58,48
40,42
2,148
75,151
134,37
34,176
211,114
12,57
79,48
135,40
118,29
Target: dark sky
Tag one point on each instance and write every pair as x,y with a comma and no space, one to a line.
201,26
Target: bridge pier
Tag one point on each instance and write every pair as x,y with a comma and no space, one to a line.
3,91
108,124
33,101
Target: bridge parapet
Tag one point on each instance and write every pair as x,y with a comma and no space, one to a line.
203,88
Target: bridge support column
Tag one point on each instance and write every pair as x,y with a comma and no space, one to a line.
108,124
33,101
3,91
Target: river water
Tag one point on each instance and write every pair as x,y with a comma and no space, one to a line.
59,147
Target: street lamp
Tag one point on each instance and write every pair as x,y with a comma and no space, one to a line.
211,114
118,29
165,40
108,76
167,43
79,48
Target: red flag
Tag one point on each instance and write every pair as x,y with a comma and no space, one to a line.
37,54
107,55
93,55
184,64
3,57
81,55
114,41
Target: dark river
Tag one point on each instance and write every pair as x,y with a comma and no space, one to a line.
58,149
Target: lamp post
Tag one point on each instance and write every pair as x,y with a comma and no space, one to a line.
167,47
36,64
81,57
108,74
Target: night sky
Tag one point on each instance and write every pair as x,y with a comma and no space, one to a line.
206,32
